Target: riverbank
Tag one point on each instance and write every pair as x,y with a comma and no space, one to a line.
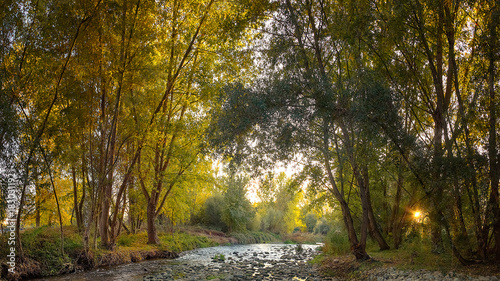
43,257
244,262
234,262
394,265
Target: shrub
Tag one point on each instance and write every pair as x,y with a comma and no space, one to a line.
322,228
310,220
337,243
237,210
212,213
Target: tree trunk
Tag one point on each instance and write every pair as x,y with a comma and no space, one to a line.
373,226
151,227
132,216
104,217
38,205
358,249
494,172
395,225
76,205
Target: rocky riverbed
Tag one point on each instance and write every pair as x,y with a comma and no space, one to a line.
286,262
264,262
274,262
391,274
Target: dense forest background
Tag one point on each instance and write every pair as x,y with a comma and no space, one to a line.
120,115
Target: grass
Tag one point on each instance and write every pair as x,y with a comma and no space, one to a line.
220,257
42,249
254,237
337,243
318,259
303,238
415,254
179,242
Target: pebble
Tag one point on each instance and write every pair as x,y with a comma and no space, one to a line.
385,274
242,269
289,264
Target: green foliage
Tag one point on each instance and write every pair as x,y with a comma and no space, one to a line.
211,214
42,245
219,257
279,204
323,227
126,240
255,223
179,242
310,221
237,210
252,237
337,243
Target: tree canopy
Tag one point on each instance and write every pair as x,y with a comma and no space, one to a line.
118,115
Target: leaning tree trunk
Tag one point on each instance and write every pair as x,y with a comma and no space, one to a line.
358,249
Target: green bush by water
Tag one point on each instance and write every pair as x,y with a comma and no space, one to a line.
251,237
43,245
337,243
179,242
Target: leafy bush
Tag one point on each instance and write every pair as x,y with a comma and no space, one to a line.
43,245
255,237
179,242
337,243
237,210
322,228
126,240
310,220
212,213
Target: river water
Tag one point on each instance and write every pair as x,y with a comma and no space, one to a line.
191,262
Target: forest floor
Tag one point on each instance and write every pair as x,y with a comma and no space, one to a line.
405,265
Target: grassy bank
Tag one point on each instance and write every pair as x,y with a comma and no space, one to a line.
411,256
303,238
43,258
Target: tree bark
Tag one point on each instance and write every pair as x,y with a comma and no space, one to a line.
395,225
76,205
151,227
494,172
358,249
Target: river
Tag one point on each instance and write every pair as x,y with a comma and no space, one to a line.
235,262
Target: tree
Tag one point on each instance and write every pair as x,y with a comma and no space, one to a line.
310,221
278,209
307,105
237,210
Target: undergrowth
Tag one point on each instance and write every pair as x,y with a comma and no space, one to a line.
303,238
255,237
42,246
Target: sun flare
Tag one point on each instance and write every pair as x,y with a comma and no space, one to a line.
417,214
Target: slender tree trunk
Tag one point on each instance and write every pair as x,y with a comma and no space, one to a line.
76,205
373,226
494,172
395,225
358,249
132,216
38,205
151,227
